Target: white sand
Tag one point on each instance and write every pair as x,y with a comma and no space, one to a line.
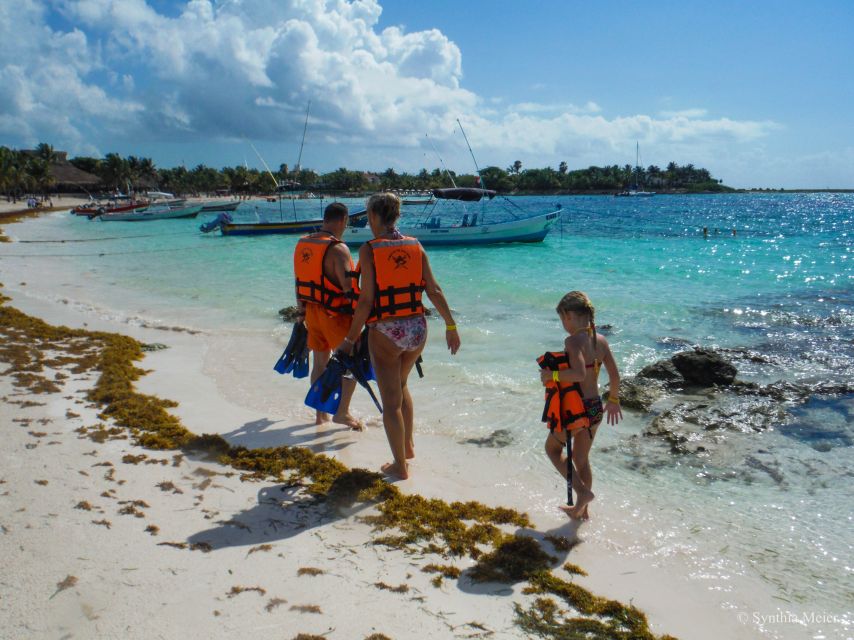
129,586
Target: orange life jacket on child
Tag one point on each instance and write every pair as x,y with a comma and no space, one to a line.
312,285
398,278
564,410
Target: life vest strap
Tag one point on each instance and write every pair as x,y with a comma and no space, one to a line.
391,292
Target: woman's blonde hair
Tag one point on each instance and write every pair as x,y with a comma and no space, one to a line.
578,302
386,206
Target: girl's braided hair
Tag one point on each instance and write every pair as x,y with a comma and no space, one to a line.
578,302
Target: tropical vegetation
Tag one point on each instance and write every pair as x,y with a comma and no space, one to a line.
30,172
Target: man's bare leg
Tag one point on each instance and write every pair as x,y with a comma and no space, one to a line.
343,415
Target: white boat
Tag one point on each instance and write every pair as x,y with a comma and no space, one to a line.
469,227
151,213
634,191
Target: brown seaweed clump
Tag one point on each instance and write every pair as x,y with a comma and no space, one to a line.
515,559
604,619
419,520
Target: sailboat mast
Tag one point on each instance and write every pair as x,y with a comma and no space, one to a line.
482,185
442,162
304,129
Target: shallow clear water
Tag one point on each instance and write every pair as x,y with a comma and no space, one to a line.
778,506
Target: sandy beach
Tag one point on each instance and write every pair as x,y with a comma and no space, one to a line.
109,539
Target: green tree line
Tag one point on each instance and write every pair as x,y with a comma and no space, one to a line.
22,173
28,172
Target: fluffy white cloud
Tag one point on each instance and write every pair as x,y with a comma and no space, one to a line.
247,68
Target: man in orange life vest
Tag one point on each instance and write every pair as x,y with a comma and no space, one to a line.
326,291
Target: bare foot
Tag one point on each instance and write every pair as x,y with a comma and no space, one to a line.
321,417
393,469
348,420
410,451
579,511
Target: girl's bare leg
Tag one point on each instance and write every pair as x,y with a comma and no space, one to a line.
554,450
581,443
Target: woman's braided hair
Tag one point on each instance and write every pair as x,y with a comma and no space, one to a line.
578,302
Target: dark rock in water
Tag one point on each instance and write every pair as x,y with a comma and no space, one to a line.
772,469
289,314
704,368
498,439
639,393
663,370
700,427
153,346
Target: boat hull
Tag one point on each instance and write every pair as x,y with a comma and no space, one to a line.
532,229
280,228
152,214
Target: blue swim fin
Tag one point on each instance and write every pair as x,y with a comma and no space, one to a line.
294,359
325,393
362,373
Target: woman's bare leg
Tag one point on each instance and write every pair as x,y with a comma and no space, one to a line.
386,358
407,361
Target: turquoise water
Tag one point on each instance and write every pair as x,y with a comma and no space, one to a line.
781,286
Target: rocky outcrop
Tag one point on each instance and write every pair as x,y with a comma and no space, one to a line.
696,368
289,314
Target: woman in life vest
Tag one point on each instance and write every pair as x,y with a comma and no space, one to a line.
395,272
574,408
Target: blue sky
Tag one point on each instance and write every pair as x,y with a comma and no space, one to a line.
759,93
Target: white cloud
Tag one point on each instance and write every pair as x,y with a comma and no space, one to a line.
247,68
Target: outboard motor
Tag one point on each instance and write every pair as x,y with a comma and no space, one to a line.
213,225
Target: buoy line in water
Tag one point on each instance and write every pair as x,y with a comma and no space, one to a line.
147,235
105,253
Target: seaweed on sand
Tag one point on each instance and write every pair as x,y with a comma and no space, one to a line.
419,519
410,522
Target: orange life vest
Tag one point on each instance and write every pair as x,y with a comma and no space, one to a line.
564,410
312,285
398,278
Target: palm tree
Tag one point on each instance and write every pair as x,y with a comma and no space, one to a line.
45,152
39,170
115,170
7,161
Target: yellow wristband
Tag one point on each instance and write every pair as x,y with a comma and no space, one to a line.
613,399
450,327
555,376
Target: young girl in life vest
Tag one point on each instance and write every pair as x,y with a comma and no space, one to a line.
573,406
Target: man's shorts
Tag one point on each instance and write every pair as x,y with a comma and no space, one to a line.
325,332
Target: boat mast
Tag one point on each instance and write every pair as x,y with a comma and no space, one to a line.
442,162
304,129
275,182
482,184
298,167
